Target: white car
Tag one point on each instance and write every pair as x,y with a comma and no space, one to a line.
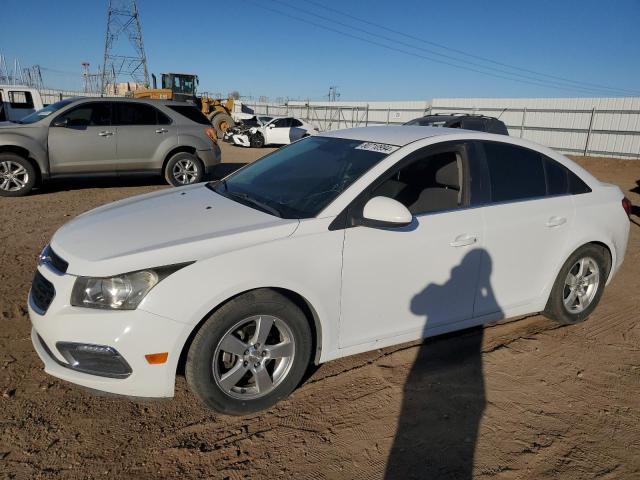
278,131
244,125
344,242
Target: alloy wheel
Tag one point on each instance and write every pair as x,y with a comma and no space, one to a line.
253,357
185,171
581,285
13,176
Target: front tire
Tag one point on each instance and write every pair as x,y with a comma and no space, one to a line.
249,354
256,140
222,122
17,175
182,169
579,285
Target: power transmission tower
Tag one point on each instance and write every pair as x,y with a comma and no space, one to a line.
124,57
333,93
91,81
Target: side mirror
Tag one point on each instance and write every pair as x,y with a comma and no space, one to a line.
385,212
61,122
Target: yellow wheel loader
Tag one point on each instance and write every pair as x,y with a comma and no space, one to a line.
182,88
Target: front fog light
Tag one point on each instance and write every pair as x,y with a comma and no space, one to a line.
94,359
121,292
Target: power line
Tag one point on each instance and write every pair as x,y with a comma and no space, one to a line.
531,81
467,54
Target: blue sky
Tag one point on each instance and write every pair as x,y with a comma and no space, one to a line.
238,45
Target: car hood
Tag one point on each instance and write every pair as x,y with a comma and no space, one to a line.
5,126
162,228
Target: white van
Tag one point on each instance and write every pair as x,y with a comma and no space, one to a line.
16,102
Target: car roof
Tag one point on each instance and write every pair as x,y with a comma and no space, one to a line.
150,101
399,135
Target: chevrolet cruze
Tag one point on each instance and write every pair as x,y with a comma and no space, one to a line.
337,244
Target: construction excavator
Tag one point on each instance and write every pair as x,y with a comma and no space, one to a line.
182,87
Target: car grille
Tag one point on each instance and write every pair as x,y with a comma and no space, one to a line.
42,293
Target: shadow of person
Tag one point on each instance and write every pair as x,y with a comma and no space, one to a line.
444,396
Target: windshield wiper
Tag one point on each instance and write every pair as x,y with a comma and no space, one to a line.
256,203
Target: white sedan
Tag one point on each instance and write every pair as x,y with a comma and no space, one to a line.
343,242
278,131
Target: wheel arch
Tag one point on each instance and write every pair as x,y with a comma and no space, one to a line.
296,298
607,247
26,154
173,151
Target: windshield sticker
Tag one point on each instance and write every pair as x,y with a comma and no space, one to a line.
377,147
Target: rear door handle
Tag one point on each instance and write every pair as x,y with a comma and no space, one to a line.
105,133
463,240
162,130
556,221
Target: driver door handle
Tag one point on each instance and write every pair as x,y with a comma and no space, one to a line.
162,130
105,133
463,240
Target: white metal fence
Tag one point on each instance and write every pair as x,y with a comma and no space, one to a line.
50,95
608,127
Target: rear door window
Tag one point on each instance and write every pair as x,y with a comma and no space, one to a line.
130,113
557,177
192,113
474,124
515,173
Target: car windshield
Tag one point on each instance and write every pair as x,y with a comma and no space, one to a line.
45,112
299,180
264,120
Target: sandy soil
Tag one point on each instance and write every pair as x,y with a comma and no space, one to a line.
521,400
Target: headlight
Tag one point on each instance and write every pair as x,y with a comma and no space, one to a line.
121,292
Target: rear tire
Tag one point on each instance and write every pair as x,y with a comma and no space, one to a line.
221,123
250,353
17,175
579,285
182,169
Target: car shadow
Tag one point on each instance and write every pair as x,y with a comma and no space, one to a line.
444,394
80,183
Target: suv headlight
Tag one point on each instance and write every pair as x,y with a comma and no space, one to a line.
121,292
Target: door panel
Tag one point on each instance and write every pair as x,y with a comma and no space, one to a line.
87,144
141,131
279,133
409,279
526,227
525,242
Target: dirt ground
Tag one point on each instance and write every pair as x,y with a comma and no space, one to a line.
520,400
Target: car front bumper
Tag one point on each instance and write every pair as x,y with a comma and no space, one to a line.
132,334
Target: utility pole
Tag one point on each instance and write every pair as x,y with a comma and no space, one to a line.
124,56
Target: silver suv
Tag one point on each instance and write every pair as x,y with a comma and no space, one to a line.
106,136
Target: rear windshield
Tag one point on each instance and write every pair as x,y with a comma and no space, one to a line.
192,113
428,122
300,180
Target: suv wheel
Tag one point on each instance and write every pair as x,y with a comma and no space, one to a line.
184,169
250,353
579,285
17,175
